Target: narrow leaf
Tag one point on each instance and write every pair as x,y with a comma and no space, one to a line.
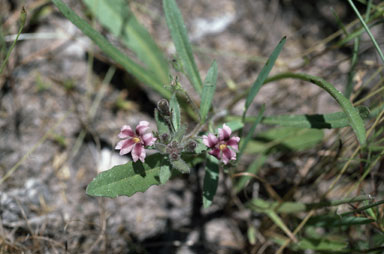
129,65
120,20
315,121
211,181
367,30
208,91
180,39
162,126
245,140
263,75
127,179
181,166
353,115
165,174
286,138
328,221
175,107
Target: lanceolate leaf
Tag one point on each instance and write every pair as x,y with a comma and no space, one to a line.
211,181
180,39
162,126
315,121
127,179
208,91
263,75
119,19
175,107
131,66
353,115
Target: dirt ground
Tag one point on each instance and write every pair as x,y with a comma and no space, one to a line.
59,122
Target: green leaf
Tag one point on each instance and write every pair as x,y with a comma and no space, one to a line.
211,181
263,75
329,221
234,125
245,140
285,138
162,126
260,205
165,174
119,19
181,166
174,105
208,91
200,147
353,115
127,179
317,121
321,244
367,30
180,39
129,65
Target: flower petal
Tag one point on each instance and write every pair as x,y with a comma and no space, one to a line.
234,143
142,127
125,146
228,155
148,139
225,132
210,140
215,152
138,152
126,132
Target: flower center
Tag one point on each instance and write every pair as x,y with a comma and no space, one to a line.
136,139
222,147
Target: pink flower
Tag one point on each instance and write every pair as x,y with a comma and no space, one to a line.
134,142
224,147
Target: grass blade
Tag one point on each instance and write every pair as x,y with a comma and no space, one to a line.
367,30
180,39
129,65
23,17
353,115
263,75
208,91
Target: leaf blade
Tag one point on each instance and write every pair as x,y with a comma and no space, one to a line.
209,88
211,181
129,65
127,179
120,20
263,75
180,38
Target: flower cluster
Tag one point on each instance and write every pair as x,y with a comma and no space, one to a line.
172,141
223,147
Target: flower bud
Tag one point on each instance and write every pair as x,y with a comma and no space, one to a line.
191,145
174,144
174,156
164,138
163,107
